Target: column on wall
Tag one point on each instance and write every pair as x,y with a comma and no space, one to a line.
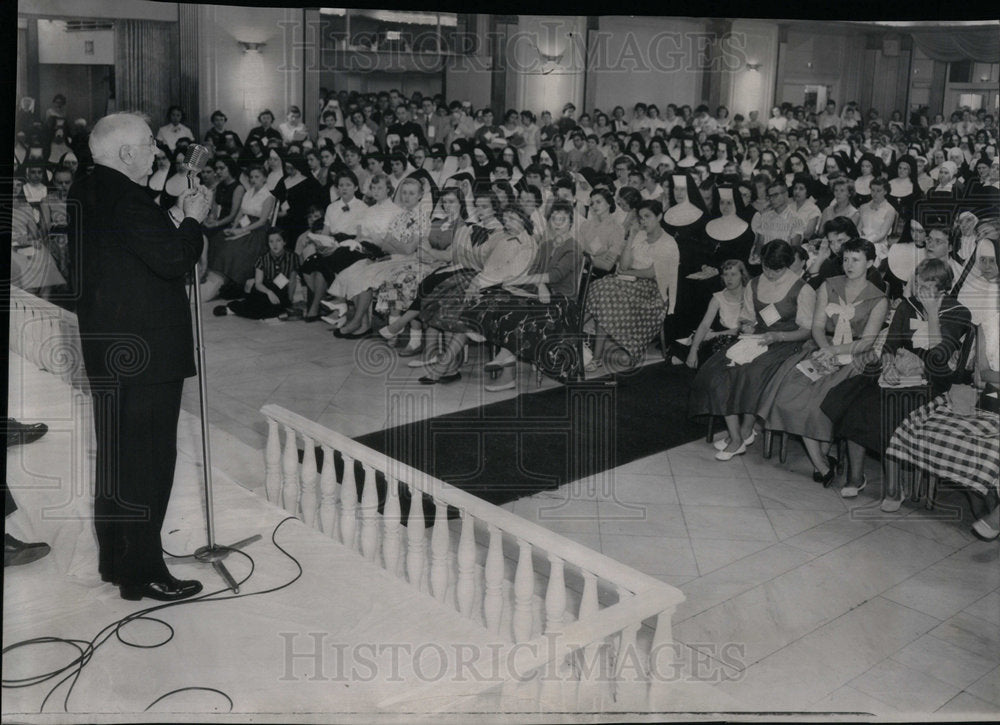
751,86
188,26
546,62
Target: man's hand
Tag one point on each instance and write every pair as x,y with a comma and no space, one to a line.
196,203
273,298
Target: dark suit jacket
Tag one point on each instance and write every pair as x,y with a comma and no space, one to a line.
133,311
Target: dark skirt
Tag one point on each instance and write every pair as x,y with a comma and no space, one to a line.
862,412
234,258
333,264
532,330
257,306
721,389
442,308
792,402
427,286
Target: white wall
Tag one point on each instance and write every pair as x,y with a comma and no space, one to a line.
242,84
55,45
468,79
649,59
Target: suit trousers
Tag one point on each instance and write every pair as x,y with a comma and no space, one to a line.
136,427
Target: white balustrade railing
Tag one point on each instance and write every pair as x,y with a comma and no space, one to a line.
47,336
603,663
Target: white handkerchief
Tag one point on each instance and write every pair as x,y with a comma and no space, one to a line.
920,339
243,222
770,315
281,281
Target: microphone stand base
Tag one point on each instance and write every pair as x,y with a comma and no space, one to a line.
214,554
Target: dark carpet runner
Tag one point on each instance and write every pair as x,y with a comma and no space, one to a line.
539,441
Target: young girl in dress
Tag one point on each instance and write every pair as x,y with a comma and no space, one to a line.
721,323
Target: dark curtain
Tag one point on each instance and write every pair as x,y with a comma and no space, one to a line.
977,44
146,68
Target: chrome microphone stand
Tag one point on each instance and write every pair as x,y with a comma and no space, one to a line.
212,553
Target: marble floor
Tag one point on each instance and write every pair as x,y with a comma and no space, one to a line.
826,606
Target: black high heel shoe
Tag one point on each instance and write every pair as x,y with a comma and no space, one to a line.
833,463
827,478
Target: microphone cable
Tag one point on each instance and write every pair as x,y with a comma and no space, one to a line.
87,648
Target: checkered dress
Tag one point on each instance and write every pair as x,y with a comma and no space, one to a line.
962,449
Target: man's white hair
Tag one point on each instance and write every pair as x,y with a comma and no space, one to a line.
114,131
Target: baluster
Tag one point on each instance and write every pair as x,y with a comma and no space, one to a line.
524,589
328,493
555,596
440,548
592,662
629,674
556,682
308,495
493,575
415,541
348,504
466,565
369,514
290,471
390,526
272,462
662,658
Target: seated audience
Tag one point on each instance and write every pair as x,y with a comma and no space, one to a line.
926,331
849,313
778,315
270,291
629,307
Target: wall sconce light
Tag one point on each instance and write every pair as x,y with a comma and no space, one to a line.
253,75
753,66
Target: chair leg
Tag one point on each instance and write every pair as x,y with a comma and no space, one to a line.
919,477
663,344
932,485
768,442
783,447
711,429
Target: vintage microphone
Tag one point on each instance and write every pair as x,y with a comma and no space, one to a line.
195,161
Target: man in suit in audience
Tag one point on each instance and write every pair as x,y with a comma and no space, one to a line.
135,330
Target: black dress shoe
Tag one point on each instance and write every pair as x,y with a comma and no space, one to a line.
167,590
16,552
356,335
24,433
827,478
444,379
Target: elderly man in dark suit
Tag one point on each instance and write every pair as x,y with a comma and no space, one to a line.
135,329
